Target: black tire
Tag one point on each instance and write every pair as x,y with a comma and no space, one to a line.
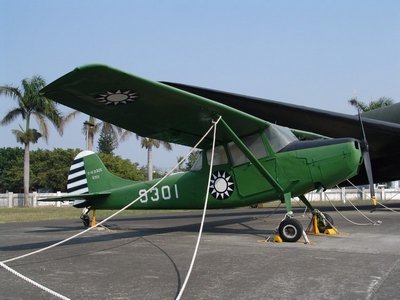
323,224
86,220
290,230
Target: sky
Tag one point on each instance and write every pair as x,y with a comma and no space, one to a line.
315,53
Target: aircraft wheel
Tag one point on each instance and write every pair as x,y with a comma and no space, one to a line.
86,220
323,224
290,230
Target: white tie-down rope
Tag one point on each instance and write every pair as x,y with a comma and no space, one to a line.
203,217
3,263
34,283
381,204
371,222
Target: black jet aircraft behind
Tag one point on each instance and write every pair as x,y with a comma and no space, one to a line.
382,126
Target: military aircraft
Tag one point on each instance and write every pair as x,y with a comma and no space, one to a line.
255,160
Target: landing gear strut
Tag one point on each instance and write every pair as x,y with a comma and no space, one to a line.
290,230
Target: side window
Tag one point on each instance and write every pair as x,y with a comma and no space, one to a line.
255,145
220,157
198,164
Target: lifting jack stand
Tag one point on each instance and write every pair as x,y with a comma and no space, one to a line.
313,226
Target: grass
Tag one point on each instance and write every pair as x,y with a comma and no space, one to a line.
31,214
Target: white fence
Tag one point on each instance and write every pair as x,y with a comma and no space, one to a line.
17,200
343,194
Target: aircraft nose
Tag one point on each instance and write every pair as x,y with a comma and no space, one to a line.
330,161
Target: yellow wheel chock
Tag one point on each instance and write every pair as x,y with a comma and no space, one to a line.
277,238
313,227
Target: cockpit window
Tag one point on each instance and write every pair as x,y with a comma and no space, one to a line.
255,145
220,157
279,137
198,164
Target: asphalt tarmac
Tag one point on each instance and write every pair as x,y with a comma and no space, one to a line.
147,257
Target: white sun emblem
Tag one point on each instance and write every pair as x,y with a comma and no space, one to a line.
117,97
221,185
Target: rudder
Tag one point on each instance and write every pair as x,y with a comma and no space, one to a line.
89,175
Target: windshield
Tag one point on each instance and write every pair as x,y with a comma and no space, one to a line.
254,143
279,137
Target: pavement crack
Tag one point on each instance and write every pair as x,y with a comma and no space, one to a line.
374,290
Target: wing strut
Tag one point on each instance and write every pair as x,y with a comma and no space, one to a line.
256,163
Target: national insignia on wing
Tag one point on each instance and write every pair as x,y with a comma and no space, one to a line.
117,97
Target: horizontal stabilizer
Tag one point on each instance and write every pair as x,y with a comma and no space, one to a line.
71,197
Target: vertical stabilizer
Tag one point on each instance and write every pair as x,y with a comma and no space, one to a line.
89,175
77,181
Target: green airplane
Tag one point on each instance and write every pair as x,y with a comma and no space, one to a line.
254,162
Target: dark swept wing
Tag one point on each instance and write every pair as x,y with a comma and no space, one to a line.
148,108
383,137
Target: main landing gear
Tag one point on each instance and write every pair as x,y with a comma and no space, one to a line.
291,230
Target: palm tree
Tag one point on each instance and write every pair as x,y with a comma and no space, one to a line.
149,144
31,104
361,106
92,126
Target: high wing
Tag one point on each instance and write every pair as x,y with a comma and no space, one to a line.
383,137
150,109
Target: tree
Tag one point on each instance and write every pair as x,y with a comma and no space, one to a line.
11,169
31,104
92,126
362,106
49,169
90,129
149,144
189,162
107,141
122,167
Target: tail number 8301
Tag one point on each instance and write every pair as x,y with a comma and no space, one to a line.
164,192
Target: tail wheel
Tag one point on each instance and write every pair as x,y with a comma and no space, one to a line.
85,220
290,230
324,224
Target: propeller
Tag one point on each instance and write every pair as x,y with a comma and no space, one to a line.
367,161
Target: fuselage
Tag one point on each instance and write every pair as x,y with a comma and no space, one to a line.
299,167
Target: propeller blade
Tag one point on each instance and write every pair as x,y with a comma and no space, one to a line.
368,169
367,161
